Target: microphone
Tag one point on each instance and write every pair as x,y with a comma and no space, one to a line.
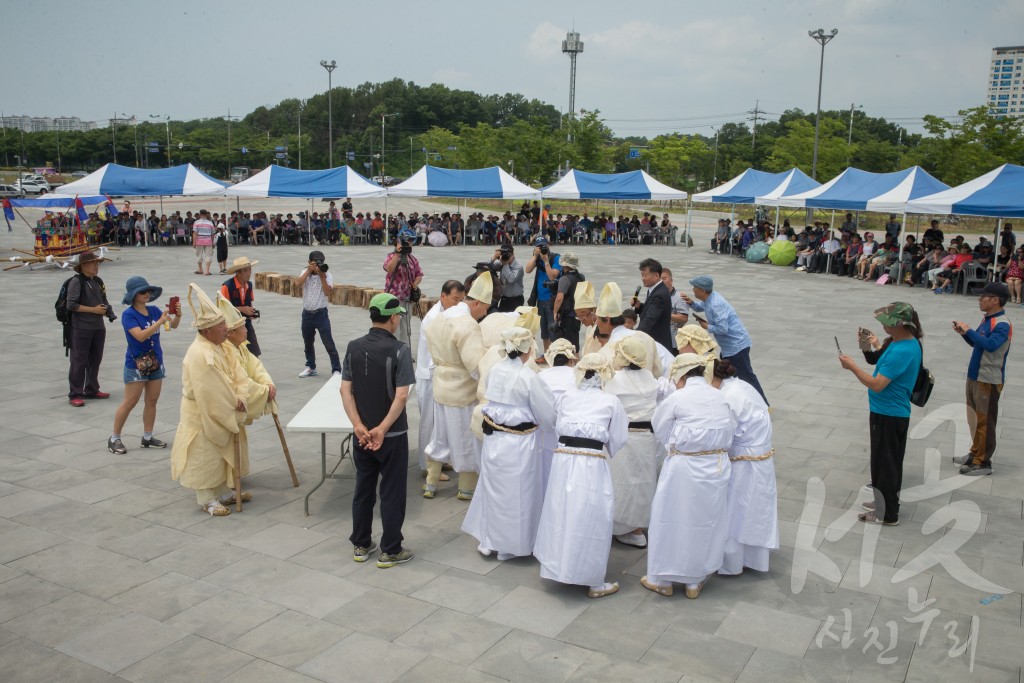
636,295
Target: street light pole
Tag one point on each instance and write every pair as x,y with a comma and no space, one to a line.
849,138
382,117
823,38
714,173
302,104
330,66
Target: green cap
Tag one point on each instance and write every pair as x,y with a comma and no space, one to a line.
386,304
895,314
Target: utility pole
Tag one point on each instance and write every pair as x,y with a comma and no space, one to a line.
849,137
302,103
756,114
113,136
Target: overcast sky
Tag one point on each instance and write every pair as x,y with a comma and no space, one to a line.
650,67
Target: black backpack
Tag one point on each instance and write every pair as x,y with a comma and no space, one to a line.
61,305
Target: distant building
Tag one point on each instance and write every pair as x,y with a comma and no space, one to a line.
1006,82
33,124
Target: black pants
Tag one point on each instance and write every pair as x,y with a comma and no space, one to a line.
86,356
250,336
888,446
390,464
507,304
745,371
569,328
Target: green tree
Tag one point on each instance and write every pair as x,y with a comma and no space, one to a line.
796,148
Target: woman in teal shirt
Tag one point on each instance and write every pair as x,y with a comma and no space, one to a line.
889,390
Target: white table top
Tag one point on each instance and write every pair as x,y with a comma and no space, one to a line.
324,413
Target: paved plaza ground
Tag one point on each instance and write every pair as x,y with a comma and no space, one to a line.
110,572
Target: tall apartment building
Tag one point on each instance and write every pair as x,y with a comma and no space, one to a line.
1006,82
32,124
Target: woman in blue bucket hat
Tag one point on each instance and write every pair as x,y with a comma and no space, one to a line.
144,359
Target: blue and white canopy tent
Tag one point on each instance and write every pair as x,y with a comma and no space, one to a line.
113,179
629,186
492,183
751,184
280,181
999,193
856,190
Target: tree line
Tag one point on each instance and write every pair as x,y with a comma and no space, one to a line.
461,129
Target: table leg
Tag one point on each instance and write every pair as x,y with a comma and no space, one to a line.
323,468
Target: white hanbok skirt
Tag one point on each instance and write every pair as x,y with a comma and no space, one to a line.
425,400
635,477
689,519
575,532
453,441
753,516
506,506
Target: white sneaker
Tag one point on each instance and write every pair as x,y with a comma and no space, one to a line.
336,373
635,540
308,372
801,268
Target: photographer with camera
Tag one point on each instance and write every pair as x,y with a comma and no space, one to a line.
567,325
403,281
548,267
317,284
239,291
509,273
87,305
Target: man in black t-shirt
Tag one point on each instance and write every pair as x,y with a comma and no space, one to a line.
375,379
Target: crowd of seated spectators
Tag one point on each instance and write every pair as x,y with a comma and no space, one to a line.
945,268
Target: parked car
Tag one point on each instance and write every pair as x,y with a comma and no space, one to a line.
9,191
33,186
79,174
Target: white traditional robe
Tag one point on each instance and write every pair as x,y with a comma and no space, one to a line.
753,504
212,382
635,468
506,506
690,514
591,344
424,384
456,347
576,524
558,380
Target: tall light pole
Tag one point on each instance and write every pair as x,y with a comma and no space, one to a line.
302,104
823,38
849,138
572,46
167,125
714,173
383,116
330,66
135,125
113,135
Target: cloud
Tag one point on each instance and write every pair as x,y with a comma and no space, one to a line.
545,43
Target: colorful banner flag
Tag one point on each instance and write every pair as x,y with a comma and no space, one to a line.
8,213
111,209
83,215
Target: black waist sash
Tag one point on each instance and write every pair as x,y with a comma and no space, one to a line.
580,442
642,425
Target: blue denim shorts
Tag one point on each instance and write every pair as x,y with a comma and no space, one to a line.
133,375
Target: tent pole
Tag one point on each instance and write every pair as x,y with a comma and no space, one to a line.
732,216
387,234
831,233
615,220
995,240
899,276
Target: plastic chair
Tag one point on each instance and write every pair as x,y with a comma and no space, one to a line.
972,274
358,235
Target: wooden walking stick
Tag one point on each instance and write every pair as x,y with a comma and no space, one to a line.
238,473
287,454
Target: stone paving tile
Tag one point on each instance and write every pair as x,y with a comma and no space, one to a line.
24,661
622,636
25,593
87,569
281,541
365,614
542,613
121,642
389,661
64,619
453,636
19,540
432,669
166,595
522,656
290,638
789,634
225,616
189,660
200,558
462,592
768,665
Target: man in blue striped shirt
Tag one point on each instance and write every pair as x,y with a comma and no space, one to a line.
727,328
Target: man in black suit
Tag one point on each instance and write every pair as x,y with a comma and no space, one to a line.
656,311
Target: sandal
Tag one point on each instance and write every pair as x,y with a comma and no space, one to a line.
605,590
660,590
215,509
230,499
198,272
872,518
